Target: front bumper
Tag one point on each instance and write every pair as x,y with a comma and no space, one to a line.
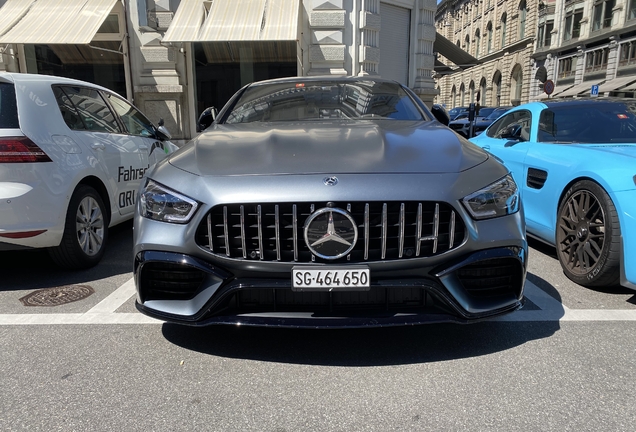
186,290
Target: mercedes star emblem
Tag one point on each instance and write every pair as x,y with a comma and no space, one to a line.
330,181
330,233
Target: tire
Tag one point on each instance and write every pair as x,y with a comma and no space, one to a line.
85,231
588,236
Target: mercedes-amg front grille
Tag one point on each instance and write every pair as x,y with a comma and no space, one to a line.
386,230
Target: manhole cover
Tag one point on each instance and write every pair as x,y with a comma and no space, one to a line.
57,296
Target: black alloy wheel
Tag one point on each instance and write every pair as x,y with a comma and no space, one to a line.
588,236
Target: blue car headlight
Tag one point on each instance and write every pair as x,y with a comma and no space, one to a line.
498,199
160,203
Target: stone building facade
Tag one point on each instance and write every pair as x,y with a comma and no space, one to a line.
173,58
500,34
583,43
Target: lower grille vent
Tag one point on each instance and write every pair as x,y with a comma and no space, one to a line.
386,231
377,299
166,281
492,277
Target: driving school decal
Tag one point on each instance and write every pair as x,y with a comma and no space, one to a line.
126,174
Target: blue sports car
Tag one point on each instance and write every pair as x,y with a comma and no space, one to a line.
575,164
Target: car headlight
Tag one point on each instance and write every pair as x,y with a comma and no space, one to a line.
498,199
159,203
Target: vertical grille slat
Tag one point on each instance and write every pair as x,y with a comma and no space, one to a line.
386,230
295,229
243,232
277,230
226,232
401,230
366,231
260,232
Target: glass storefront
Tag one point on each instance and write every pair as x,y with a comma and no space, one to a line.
99,63
222,68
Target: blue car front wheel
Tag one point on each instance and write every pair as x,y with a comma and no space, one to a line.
588,236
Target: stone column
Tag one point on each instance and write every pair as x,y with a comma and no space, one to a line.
424,85
369,28
327,26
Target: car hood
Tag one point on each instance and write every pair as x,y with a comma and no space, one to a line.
386,146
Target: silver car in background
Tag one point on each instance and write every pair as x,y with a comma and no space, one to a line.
72,156
328,202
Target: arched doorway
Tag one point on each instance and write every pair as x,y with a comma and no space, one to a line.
496,89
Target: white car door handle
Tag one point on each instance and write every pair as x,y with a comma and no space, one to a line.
143,147
97,146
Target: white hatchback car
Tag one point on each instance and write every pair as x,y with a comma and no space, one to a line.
72,156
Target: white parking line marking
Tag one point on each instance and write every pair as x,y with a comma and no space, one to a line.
104,312
120,296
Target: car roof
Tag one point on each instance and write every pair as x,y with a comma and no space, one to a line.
16,77
321,78
583,101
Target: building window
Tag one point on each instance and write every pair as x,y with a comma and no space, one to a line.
489,37
572,24
462,95
503,30
523,12
516,85
631,12
544,34
596,60
454,97
602,14
627,54
467,44
477,43
567,67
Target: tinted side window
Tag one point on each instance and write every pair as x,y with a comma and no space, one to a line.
92,109
8,107
521,118
597,122
68,111
134,121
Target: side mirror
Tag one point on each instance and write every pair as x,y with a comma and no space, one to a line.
162,132
206,118
440,114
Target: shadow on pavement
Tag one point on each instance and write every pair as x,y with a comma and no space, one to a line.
34,269
359,347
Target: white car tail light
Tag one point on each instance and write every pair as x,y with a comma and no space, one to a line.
21,150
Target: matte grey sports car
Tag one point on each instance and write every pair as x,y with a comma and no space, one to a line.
328,202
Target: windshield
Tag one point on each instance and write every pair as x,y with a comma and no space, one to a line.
485,112
317,100
496,113
594,122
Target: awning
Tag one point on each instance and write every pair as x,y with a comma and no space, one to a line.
454,53
442,69
629,88
560,89
616,83
52,21
234,20
585,86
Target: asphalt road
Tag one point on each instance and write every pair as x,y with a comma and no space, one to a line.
565,362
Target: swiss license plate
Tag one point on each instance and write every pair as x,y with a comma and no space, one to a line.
330,279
